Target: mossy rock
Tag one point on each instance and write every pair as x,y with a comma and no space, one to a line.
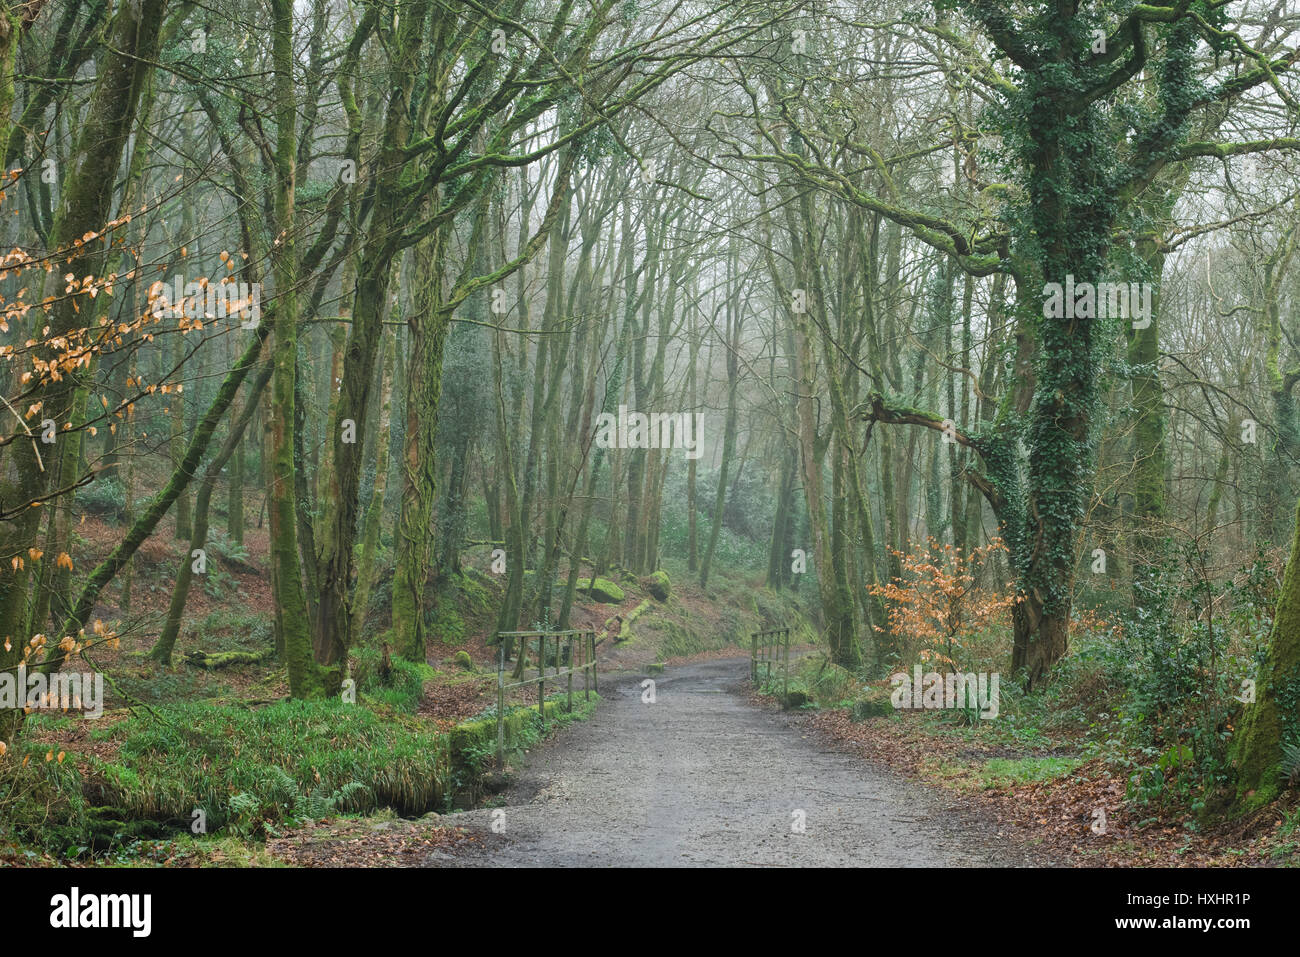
874,704
605,591
658,585
462,660
471,746
794,698
473,740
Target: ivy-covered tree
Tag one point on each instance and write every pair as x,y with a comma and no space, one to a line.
1087,106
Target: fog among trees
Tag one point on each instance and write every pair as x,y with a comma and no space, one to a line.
346,341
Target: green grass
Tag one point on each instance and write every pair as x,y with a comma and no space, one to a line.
1003,772
225,630
244,771
219,850
202,757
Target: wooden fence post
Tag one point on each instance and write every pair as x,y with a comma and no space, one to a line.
785,687
541,678
501,704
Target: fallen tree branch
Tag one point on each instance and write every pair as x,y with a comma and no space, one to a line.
224,659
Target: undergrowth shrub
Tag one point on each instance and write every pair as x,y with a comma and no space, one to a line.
1189,648
935,607
104,497
395,682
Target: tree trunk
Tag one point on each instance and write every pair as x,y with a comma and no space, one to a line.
1149,458
1273,720
85,207
370,535
427,335
293,633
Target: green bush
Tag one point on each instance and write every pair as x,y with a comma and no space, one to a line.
874,704
400,686
105,498
221,547
828,685
1188,644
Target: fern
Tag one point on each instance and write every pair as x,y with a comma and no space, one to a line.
343,796
317,804
1290,768
244,816
277,786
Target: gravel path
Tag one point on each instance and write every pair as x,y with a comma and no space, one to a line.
702,777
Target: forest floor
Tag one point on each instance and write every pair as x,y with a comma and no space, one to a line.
711,773
714,773
1054,801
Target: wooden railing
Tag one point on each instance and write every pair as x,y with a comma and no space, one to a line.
770,648
571,652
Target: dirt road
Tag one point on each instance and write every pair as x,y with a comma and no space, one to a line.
702,777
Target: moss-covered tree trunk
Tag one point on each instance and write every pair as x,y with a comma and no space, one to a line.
1274,718
235,497
11,24
427,336
508,619
338,338
1282,460
837,560
375,511
337,525
292,627
86,206
54,604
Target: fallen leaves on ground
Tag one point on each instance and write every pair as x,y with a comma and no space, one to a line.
449,704
366,842
1058,819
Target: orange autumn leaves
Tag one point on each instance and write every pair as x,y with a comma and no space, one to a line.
63,561
47,354
49,755
62,651
935,605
